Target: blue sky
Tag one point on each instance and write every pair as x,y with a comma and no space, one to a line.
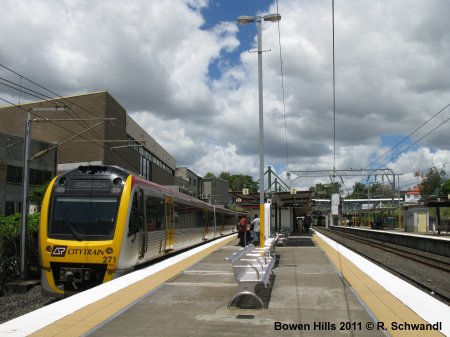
223,10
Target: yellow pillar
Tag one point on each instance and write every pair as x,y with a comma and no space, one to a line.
261,225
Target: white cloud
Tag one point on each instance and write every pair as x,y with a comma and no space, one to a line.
154,57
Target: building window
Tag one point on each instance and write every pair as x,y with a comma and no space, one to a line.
14,174
36,177
9,208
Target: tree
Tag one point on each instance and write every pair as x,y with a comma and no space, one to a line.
240,181
359,191
225,176
445,189
324,191
433,182
209,175
379,190
237,181
37,195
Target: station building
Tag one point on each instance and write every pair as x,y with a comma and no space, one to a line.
188,182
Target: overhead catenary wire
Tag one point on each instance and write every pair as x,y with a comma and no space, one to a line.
334,93
65,100
22,89
98,142
283,96
60,97
407,137
428,133
49,99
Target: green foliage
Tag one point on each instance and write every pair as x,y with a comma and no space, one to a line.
240,181
225,176
11,225
324,191
433,182
209,175
237,181
445,188
10,229
37,195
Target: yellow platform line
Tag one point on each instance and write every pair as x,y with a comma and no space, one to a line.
386,307
83,320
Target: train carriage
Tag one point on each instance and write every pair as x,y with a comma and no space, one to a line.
100,222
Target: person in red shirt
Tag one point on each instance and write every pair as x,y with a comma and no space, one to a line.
243,231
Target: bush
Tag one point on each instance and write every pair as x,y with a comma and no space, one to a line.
10,229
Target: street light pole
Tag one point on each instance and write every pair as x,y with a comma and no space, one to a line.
258,19
261,138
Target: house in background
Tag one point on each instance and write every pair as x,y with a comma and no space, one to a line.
412,196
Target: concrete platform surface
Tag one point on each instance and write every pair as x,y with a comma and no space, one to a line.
308,298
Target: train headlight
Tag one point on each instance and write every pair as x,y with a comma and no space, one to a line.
61,185
109,250
48,249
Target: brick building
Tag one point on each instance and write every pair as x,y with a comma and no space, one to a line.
105,143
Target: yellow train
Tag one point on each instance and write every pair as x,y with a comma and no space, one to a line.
100,222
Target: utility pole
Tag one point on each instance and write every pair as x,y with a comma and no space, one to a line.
25,179
26,168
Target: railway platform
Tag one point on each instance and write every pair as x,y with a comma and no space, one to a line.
317,289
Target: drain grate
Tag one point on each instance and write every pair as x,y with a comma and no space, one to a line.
245,316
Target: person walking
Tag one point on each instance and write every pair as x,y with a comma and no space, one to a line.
243,232
256,228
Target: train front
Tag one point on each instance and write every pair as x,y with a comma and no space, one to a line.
79,235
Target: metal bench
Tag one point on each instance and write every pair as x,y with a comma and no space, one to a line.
270,245
251,266
284,235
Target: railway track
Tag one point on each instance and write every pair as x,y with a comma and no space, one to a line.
427,271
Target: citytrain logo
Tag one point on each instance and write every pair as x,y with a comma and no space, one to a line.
59,251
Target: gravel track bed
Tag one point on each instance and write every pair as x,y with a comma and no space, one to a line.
430,277
12,306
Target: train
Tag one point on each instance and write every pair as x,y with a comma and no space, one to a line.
101,222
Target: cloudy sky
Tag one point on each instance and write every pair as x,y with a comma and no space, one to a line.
183,71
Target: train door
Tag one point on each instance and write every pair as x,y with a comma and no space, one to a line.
142,225
206,221
136,224
215,222
170,225
137,227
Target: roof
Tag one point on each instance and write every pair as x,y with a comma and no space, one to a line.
283,199
437,202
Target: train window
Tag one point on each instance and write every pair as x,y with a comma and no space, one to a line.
83,218
230,219
188,216
154,211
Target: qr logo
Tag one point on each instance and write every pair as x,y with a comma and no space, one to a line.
59,251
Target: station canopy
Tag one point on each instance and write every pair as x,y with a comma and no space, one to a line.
301,199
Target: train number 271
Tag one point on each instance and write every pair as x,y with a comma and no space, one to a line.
109,259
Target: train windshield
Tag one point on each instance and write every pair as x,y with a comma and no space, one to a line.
83,218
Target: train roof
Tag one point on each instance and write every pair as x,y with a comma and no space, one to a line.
112,171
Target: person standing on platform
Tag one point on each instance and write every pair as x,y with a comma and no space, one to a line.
243,231
256,228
